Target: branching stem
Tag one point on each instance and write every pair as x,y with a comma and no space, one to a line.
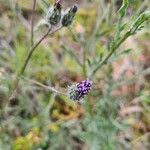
16,81
113,49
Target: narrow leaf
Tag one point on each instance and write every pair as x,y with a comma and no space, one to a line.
123,8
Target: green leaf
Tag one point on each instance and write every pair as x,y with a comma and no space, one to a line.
123,8
141,19
127,51
100,56
123,26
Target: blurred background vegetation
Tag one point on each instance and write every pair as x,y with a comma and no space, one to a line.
116,113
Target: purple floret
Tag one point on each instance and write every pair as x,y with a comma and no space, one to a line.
83,88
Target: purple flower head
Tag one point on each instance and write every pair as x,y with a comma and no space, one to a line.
79,90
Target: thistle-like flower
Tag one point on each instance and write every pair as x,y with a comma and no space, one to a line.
79,90
68,17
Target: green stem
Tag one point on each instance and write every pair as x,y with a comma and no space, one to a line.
32,23
134,27
72,55
49,88
16,81
113,49
84,63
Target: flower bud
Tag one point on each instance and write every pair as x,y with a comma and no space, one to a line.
55,16
74,9
68,17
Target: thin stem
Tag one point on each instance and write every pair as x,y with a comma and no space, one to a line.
46,3
16,81
115,44
118,30
84,53
113,49
110,14
84,63
49,88
91,42
142,7
73,55
32,23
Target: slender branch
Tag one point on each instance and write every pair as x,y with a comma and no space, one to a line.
73,55
84,53
84,63
46,3
32,23
115,44
91,41
113,49
49,88
16,81
142,7
75,38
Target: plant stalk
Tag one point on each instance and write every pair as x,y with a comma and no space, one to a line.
113,49
32,23
16,81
